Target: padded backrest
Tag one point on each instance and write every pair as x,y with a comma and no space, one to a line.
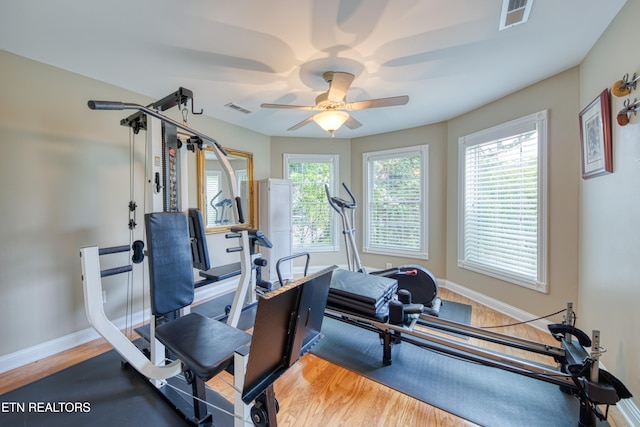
199,251
169,254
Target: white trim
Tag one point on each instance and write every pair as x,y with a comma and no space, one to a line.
497,305
57,345
630,411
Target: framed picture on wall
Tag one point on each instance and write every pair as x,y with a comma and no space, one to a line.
595,137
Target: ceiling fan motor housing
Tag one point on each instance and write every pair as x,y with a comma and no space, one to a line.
323,102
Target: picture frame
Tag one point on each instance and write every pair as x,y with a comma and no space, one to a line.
595,137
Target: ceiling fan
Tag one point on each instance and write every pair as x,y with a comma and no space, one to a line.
332,104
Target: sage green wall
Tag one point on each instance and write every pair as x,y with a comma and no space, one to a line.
559,95
609,251
64,171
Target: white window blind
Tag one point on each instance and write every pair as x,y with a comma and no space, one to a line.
313,224
503,201
395,188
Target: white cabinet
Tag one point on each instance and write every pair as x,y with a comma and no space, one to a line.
274,219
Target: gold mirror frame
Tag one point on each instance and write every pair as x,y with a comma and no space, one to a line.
247,200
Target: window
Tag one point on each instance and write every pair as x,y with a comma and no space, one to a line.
395,208
503,201
313,223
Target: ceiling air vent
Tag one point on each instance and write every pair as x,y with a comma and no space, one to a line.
514,12
237,108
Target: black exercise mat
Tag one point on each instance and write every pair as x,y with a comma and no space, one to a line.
96,392
455,312
486,396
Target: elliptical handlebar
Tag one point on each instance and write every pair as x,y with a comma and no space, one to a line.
340,206
353,204
338,203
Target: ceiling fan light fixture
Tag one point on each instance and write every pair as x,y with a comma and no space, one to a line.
331,120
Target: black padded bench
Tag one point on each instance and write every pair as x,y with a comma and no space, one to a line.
222,272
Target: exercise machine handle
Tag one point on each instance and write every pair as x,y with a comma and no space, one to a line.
330,199
290,257
106,105
338,203
239,208
353,199
254,234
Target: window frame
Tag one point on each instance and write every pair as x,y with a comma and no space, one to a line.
367,158
334,161
509,129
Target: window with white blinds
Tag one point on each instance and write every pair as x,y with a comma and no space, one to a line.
314,226
502,227
395,208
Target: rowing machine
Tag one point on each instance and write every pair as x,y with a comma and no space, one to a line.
577,370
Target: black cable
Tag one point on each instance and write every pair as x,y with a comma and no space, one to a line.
522,323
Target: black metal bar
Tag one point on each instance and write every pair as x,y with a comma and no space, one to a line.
287,258
179,97
117,105
116,270
113,250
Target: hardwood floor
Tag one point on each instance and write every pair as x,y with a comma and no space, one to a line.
315,392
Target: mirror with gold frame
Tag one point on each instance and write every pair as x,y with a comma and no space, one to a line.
214,198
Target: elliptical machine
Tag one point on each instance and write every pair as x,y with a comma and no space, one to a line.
420,282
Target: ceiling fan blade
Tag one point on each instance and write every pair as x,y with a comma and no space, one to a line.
379,102
288,107
339,85
302,123
352,123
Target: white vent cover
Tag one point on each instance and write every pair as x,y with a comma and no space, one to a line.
514,12
237,108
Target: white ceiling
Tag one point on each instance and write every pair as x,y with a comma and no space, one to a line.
447,55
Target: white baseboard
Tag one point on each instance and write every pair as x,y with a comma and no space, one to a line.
49,348
630,412
496,305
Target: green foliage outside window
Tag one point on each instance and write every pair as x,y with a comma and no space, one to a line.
311,215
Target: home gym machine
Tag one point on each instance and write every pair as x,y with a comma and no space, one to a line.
417,280
287,324
171,283
166,175
369,302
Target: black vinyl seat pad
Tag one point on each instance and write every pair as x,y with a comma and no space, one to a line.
204,345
